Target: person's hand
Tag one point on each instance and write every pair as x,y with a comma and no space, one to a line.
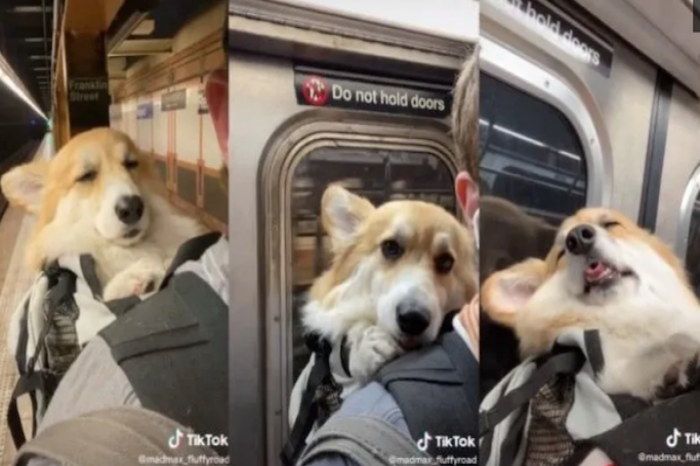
469,318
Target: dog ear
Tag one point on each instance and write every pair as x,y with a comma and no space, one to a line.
23,186
342,214
506,292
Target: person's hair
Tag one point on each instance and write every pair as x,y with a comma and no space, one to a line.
465,114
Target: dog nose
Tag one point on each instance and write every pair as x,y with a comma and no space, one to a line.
580,240
129,209
413,318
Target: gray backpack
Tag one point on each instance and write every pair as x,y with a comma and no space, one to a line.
365,440
116,436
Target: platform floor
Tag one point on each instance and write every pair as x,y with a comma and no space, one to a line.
15,281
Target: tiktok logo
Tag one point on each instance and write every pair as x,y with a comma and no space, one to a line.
175,439
672,440
424,442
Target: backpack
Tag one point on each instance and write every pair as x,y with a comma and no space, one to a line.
116,436
63,311
435,379
56,318
550,410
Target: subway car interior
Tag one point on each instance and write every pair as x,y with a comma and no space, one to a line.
607,111
67,66
350,93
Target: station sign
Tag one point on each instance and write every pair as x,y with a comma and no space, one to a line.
88,99
202,105
176,100
328,90
144,111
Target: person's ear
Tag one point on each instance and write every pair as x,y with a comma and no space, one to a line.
216,94
506,292
467,193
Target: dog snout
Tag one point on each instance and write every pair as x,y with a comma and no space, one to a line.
129,209
580,240
413,318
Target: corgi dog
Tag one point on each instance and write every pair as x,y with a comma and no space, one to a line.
396,271
604,272
100,195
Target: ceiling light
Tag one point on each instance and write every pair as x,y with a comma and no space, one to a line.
30,9
11,83
34,39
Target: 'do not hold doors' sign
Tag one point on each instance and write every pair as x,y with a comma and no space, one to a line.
318,89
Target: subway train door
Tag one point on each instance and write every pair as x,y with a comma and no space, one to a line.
688,240
384,140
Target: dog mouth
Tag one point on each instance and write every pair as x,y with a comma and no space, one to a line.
602,274
131,234
408,342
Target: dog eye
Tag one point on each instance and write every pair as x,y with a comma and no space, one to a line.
129,164
89,176
610,224
444,263
560,255
391,249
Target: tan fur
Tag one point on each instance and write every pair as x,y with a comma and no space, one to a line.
639,320
427,220
105,152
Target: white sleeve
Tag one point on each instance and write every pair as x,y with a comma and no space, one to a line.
457,325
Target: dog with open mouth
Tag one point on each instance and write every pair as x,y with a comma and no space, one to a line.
99,195
605,273
397,270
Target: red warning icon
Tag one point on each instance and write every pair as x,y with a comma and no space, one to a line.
315,90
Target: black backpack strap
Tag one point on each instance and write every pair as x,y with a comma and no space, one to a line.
188,251
568,362
89,270
41,382
437,390
173,348
308,408
659,428
61,287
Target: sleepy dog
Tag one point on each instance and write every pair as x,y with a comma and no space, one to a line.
397,270
100,196
604,272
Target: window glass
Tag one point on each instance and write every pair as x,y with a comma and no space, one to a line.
692,256
379,175
530,153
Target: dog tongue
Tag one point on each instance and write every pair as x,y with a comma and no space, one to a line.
595,270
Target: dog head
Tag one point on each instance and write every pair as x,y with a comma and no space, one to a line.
603,271
402,265
95,188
